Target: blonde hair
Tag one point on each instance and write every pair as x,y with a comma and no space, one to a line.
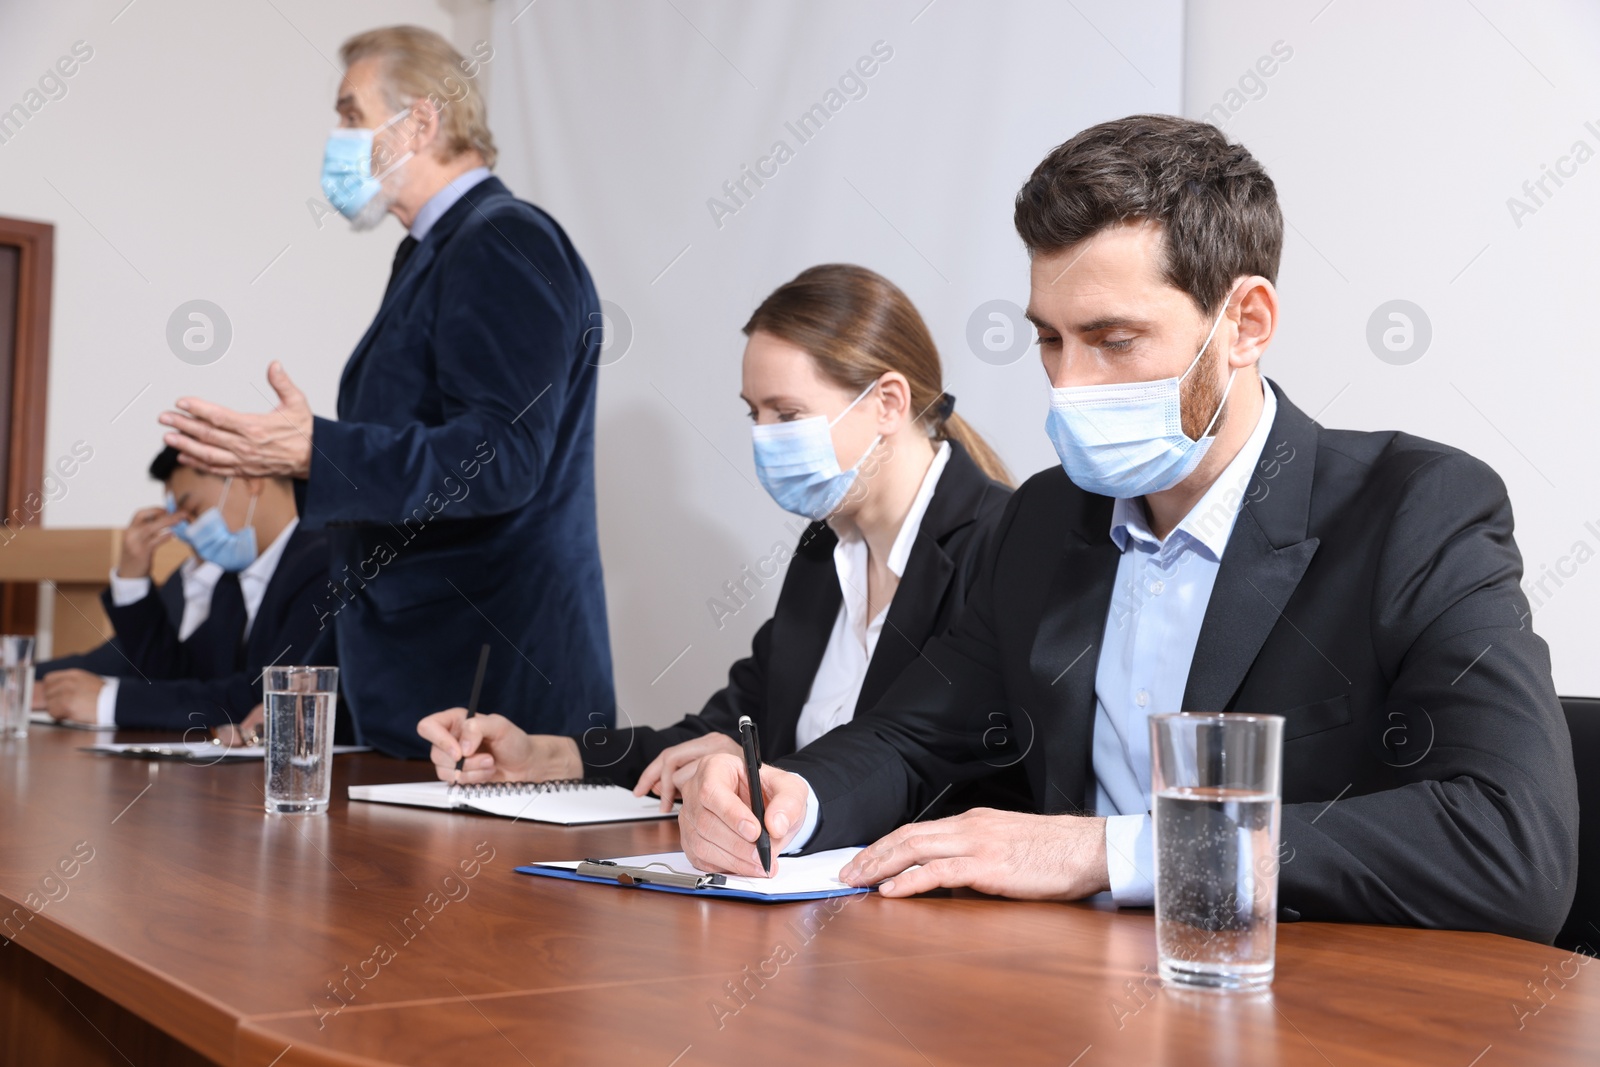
418,64
858,325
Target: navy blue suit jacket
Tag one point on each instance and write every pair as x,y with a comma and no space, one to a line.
458,484
212,677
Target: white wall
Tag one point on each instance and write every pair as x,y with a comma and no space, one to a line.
624,119
178,166
1396,134
179,162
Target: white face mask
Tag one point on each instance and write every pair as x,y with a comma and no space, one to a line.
1125,440
797,463
347,178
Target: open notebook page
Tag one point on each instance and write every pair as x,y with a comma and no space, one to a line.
816,873
566,803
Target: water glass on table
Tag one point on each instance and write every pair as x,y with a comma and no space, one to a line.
299,704
1216,783
16,684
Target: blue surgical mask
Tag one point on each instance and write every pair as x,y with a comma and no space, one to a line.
212,541
797,464
1126,440
347,178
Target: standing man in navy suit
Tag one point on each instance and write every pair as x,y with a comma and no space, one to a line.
458,481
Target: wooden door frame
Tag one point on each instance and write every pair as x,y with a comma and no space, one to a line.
29,388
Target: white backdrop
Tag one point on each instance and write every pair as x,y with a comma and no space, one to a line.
624,119
1397,134
177,162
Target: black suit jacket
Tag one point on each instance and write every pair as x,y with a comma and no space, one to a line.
1369,594
212,677
772,683
457,484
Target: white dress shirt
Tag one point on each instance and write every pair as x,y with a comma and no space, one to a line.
1158,603
199,582
837,684
444,200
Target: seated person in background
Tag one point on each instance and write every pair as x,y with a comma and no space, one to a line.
839,372
1204,546
191,652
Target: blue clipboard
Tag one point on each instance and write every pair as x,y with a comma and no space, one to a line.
721,892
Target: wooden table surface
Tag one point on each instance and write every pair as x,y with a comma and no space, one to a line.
228,928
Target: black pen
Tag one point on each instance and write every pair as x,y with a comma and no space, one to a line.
752,764
472,701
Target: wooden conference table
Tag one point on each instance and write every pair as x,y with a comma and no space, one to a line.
193,928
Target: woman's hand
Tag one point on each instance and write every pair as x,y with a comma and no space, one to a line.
669,771
496,749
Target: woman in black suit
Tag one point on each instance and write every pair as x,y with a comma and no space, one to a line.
853,431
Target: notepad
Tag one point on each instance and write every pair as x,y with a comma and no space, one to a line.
812,877
574,802
43,718
197,751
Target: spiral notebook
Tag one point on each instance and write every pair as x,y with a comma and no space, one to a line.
574,802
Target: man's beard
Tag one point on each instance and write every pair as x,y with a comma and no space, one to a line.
372,212
1201,396
390,181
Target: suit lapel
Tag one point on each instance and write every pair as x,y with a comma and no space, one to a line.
417,267
1066,653
911,618
1266,556
914,611
800,630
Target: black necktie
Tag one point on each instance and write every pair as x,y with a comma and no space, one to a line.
227,619
401,254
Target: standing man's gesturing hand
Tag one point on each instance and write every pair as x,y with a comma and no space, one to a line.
716,825
221,441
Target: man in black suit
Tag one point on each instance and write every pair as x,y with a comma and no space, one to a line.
1205,546
190,653
457,483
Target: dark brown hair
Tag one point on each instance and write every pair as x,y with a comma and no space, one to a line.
858,325
1217,208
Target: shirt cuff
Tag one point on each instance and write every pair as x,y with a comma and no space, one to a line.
105,705
125,591
1130,854
809,826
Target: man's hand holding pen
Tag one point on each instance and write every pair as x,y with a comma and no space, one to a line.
718,828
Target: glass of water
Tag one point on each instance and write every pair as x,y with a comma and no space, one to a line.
299,704
16,684
1216,781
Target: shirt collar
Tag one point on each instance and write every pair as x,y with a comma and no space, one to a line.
900,551
850,540
1210,522
444,200
263,565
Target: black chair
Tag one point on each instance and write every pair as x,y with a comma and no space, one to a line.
1583,922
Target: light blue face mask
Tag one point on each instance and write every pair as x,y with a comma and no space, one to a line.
1125,440
799,467
347,178
212,541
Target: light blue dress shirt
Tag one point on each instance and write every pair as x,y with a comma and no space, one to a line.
444,200
1163,587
